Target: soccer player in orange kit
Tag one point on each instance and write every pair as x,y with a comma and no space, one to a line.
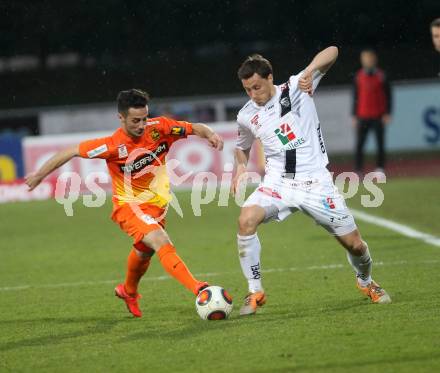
135,155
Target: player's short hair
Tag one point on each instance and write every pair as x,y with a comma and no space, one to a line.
255,63
369,50
435,23
131,98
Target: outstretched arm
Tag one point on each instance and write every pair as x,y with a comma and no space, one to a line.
205,132
321,62
63,156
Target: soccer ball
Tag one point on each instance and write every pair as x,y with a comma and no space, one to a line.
214,303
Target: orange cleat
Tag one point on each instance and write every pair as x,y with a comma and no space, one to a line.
375,293
251,302
131,302
200,286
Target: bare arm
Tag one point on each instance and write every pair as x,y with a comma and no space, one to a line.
63,156
324,60
241,160
205,132
321,62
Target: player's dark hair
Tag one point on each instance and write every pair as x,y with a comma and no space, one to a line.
435,23
369,50
131,98
254,64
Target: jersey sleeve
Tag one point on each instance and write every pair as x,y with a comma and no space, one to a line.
293,80
175,129
317,76
95,148
245,137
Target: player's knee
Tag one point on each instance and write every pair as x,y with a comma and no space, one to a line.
358,247
143,255
143,251
156,239
247,223
353,243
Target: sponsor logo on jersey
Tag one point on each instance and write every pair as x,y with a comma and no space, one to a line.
254,120
285,134
97,151
145,160
122,151
321,141
287,137
285,102
178,131
155,135
328,203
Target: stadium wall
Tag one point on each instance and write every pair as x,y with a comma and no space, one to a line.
415,127
415,124
189,158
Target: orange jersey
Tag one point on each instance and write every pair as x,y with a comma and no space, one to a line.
137,165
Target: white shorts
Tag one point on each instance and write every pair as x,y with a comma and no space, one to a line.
315,195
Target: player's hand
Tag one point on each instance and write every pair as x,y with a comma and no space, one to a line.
305,82
235,185
216,141
386,118
33,180
354,121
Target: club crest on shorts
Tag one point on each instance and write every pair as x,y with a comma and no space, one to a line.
328,203
122,151
147,219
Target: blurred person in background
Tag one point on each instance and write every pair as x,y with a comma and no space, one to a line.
371,107
435,33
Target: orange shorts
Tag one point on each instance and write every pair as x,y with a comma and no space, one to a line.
139,220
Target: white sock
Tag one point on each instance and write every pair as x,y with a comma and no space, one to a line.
362,266
249,249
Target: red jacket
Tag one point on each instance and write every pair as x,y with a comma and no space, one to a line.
371,94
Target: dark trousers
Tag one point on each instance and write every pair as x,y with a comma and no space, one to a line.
364,126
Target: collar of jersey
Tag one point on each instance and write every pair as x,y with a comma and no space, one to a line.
128,138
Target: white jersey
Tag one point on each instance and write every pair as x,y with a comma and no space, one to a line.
289,129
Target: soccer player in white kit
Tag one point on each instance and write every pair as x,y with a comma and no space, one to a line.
283,117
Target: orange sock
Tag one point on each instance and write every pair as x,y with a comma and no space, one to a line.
176,267
136,268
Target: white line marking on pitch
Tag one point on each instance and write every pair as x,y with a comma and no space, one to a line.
396,227
212,274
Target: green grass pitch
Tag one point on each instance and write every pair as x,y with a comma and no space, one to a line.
58,312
